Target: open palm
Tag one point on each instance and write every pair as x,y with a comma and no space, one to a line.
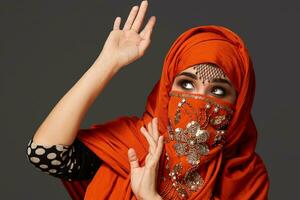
127,45
143,178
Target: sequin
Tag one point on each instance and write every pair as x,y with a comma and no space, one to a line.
181,149
193,158
216,109
190,142
191,95
218,119
219,138
193,180
180,135
202,149
204,126
193,127
202,136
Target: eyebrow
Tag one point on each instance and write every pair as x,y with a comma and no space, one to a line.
191,75
221,80
214,80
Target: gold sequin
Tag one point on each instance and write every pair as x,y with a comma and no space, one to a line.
190,142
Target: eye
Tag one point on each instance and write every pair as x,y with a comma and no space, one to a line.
219,91
185,84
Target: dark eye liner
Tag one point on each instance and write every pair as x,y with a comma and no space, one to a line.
180,83
221,88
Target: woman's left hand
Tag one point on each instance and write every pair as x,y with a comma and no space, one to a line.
143,179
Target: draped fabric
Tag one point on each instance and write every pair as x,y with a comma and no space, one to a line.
234,172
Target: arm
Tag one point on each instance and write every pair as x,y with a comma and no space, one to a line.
63,122
120,49
74,162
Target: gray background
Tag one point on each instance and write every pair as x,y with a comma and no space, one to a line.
46,46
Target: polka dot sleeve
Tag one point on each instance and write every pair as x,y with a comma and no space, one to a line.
73,162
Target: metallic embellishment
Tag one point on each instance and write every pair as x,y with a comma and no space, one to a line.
208,71
210,102
176,182
190,142
193,180
180,149
216,109
219,138
220,122
218,119
178,112
193,157
190,182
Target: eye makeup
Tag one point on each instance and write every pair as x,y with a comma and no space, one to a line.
185,84
217,89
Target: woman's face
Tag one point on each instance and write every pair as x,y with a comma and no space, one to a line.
188,81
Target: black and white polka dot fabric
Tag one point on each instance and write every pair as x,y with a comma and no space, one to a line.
73,162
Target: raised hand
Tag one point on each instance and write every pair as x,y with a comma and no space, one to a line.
143,178
128,44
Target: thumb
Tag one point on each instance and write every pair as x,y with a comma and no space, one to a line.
133,160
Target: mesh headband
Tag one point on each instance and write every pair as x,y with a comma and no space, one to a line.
208,71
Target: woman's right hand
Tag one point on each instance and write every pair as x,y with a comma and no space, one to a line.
128,44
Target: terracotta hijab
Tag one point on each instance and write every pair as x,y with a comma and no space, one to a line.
235,172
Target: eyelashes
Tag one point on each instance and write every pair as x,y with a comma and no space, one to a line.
219,91
215,90
183,84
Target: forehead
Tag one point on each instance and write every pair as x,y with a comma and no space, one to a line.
206,70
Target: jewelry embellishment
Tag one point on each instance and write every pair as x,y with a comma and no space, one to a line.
193,180
195,124
190,142
190,182
209,101
217,120
221,122
219,138
208,71
177,115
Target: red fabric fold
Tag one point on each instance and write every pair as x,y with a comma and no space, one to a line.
236,172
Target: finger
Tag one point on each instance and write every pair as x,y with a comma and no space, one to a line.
159,148
151,142
146,35
147,31
149,139
149,126
133,160
148,158
140,16
150,131
130,18
155,132
117,23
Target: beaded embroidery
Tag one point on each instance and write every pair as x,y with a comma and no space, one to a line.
193,142
190,142
191,181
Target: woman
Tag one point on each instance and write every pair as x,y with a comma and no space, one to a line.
196,138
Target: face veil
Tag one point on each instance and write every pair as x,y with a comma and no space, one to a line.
220,168
197,125
234,171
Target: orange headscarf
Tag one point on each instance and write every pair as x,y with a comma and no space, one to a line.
235,172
